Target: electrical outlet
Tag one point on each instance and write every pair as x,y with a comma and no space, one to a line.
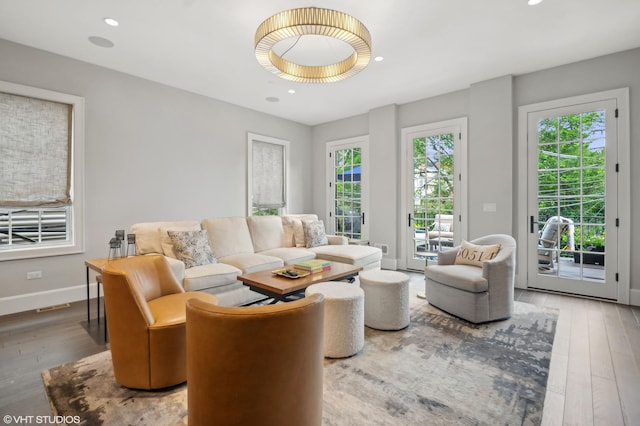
34,275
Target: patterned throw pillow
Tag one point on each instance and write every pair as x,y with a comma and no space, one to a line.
314,233
473,254
192,247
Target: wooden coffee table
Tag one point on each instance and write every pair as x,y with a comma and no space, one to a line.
282,288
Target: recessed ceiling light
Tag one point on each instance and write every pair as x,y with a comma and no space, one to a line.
112,22
378,59
272,99
100,41
292,91
534,2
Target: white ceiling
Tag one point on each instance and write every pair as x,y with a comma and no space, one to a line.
430,47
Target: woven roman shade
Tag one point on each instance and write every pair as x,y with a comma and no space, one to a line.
268,175
35,152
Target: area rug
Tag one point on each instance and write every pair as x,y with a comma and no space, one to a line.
439,371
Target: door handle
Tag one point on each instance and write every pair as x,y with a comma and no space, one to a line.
363,218
531,223
409,220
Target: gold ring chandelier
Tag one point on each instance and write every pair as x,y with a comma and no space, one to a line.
313,21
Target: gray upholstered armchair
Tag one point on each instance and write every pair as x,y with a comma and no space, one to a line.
474,293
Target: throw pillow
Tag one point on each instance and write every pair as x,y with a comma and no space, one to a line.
192,247
167,242
314,234
293,232
473,254
442,227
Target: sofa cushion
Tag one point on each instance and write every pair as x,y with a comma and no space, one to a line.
463,277
148,234
291,225
290,255
267,232
351,254
192,247
228,236
252,262
209,276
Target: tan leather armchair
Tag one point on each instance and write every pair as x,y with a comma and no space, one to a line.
145,307
260,365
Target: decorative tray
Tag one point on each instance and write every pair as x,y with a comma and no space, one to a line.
283,273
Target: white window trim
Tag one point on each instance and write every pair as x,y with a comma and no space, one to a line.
251,137
76,238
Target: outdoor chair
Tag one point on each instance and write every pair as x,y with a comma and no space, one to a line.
548,241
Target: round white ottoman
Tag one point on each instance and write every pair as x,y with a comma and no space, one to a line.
386,299
343,317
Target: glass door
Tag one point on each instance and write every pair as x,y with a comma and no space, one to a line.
434,207
348,173
573,199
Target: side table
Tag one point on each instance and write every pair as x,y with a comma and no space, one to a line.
96,265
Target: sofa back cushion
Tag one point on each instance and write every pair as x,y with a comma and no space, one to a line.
266,232
228,236
148,234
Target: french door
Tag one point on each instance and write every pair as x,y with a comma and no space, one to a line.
433,172
347,169
572,243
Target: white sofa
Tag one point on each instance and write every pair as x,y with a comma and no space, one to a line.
245,245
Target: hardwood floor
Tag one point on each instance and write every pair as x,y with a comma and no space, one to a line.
594,377
31,342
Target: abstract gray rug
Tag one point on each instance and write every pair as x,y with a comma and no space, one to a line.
439,371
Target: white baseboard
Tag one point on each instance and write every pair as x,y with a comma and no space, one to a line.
518,283
391,264
634,297
43,299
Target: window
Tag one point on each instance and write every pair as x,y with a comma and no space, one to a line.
267,175
41,146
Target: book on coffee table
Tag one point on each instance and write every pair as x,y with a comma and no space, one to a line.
314,265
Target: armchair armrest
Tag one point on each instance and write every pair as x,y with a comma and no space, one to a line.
337,240
501,268
546,243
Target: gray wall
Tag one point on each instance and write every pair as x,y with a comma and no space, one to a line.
492,108
158,153
152,152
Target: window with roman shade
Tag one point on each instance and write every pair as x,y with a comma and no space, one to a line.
267,175
35,148
41,143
